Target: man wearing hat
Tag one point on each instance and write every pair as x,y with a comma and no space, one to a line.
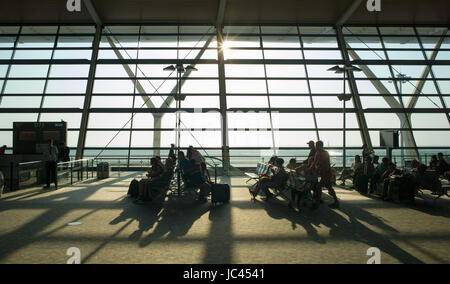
312,152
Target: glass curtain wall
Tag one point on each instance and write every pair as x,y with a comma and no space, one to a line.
279,92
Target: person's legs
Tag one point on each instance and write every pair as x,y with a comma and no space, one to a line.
332,193
385,188
142,184
54,173
363,184
265,188
258,186
317,194
373,182
47,173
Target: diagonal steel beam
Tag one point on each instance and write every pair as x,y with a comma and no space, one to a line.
131,74
348,12
413,101
170,99
365,135
391,101
93,12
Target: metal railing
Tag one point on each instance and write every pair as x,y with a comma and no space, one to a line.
28,174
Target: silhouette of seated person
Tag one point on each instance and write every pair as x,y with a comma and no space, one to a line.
364,173
153,175
310,176
442,167
427,179
388,177
192,176
293,165
277,180
376,179
349,173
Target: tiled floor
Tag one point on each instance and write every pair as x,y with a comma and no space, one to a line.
33,228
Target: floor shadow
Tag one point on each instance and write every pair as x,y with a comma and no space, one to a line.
342,228
426,203
57,204
173,220
219,244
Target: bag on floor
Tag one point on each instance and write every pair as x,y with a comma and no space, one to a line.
220,193
406,190
133,189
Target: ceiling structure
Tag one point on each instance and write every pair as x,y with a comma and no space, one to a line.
394,12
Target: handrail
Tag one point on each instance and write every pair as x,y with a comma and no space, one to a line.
60,163
29,163
74,161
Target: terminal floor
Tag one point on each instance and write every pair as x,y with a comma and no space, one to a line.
34,228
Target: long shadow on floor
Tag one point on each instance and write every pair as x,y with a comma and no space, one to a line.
426,203
340,227
173,218
30,232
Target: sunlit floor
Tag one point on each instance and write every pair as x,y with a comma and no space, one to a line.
34,228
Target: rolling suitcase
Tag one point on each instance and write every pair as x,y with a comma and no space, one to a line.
102,170
220,193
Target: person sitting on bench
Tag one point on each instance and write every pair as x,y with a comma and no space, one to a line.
277,180
364,175
427,179
197,157
153,174
304,170
433,162
349,173
379,171
169,164
160,163
386,177
193,176
292,164
442,167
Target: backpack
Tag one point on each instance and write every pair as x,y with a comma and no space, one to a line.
133,189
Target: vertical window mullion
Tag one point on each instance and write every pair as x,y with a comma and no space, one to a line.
48,74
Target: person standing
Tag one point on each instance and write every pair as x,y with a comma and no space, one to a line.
366,152
322,166
312,151
199,160
172,152
51,159
64,152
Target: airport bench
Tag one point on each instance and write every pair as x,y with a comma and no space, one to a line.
260,170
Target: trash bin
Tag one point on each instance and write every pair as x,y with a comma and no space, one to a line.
102,170
2,183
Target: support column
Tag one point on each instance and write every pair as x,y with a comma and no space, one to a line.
223,101
88,96
157,122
